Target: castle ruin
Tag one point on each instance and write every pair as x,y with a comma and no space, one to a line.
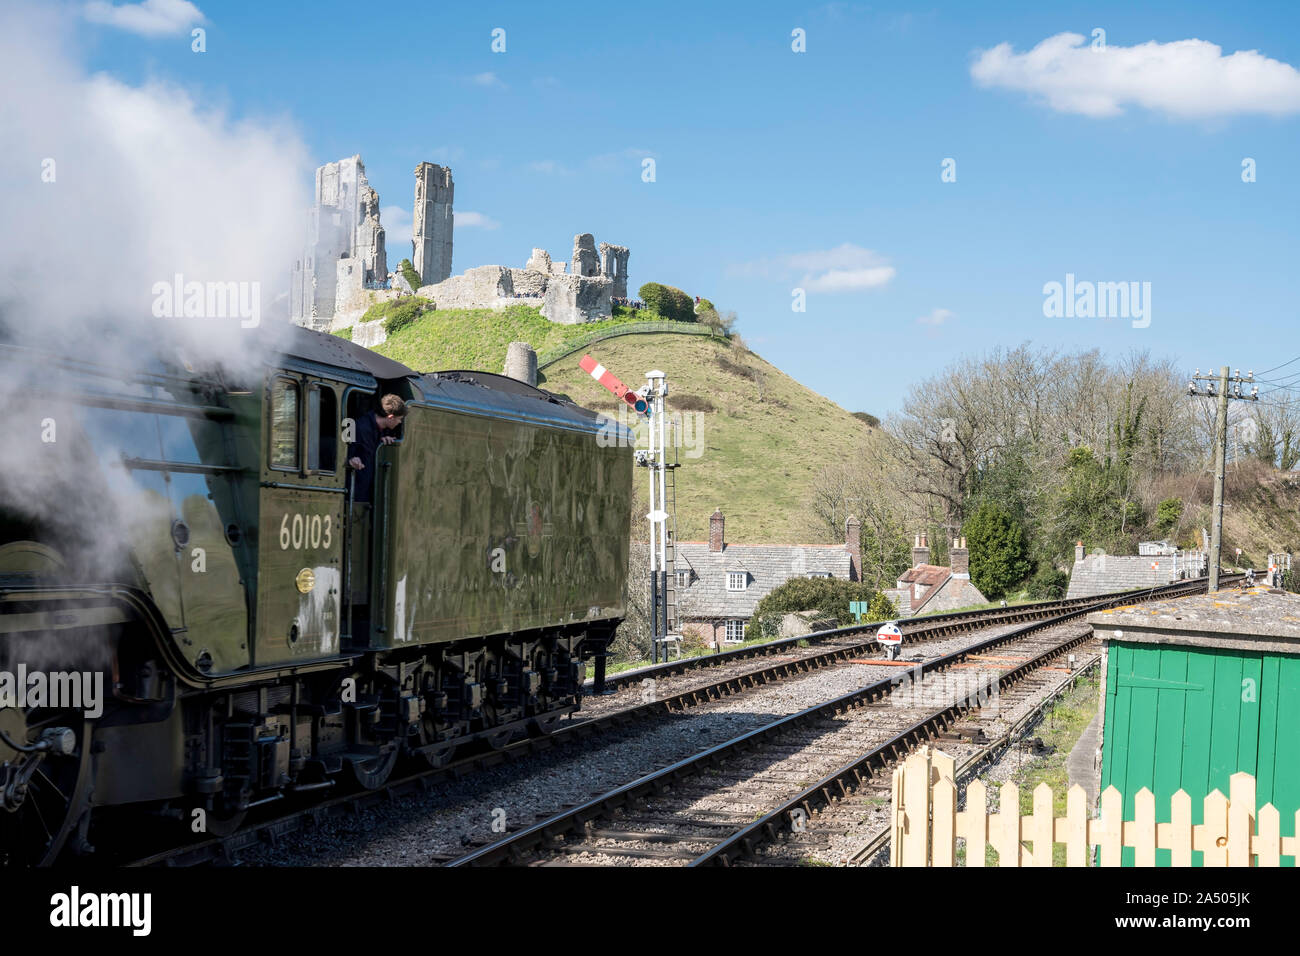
431,237
565,297
345,244
344,267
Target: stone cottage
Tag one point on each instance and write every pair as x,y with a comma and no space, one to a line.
719,584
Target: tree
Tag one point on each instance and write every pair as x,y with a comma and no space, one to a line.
724,322
1048,583
829,597
999,551
866,486
670,302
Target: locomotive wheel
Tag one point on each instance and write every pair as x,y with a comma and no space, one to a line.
546,723
437,757
373,772
36,832
221,824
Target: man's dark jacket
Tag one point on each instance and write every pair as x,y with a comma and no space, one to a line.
368,437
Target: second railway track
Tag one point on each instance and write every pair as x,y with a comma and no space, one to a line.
716,806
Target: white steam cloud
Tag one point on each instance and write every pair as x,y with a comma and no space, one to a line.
113,189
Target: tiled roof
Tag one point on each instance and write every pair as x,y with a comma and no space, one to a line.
767,566
927,574
1104,573
953,593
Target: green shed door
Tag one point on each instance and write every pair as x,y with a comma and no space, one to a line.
1188,718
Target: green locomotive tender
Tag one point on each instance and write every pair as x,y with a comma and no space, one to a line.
191,538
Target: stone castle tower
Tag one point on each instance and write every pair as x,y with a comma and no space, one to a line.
343,224
431,233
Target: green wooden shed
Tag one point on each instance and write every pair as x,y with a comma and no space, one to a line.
1195,689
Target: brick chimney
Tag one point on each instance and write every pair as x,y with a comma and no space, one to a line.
853,545
920,551
716,522
959,559
1078,551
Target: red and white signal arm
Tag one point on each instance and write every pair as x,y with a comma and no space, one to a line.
889,634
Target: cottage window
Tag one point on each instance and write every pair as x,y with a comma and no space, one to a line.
737,580
819,574
736,631
684,579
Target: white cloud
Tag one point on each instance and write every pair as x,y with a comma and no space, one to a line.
397,229
1184,78
487,79
474,220
846,280
843,269
936,317
150,18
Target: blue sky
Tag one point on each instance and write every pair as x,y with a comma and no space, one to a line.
820,170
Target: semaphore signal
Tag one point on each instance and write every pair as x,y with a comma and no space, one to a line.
610,381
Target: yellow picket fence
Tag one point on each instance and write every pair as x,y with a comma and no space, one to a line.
926,824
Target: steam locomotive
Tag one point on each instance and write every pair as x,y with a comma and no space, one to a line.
186,537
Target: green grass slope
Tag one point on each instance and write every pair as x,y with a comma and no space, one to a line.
478,338
764,436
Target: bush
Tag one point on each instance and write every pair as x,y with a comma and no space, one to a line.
1048,583
408,272
1168,513
398,313
691,403
999,550
712,319
830,597
727,365
705,306
669,302
345,333
882,608
871,420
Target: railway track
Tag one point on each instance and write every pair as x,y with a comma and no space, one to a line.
678,686
917,629
855,796
723,803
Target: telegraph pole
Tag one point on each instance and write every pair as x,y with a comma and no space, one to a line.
1223,393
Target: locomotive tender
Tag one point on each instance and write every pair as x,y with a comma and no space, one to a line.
190,535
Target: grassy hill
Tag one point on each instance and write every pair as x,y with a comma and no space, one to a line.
1261,510
477,338
762,436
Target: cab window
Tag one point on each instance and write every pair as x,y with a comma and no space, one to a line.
322,429
284,425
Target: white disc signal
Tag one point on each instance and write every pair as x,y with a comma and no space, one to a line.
889,634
